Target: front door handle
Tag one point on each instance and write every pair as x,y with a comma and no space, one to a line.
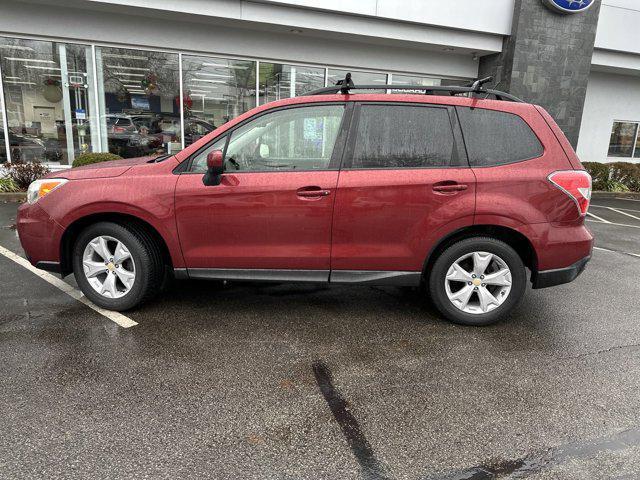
450,188
312,192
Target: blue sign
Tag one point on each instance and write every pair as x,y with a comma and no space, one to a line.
569,6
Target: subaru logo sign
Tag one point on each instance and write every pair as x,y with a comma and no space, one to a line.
569,6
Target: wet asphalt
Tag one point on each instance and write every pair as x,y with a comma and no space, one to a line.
289,381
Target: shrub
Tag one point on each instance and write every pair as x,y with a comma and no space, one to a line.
89,158
599,174
627,174
614,177
7,185
23,174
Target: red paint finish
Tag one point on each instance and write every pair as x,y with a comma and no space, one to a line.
257,220
390,219
145,192
39,233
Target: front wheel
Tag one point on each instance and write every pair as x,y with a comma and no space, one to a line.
477,281
116,266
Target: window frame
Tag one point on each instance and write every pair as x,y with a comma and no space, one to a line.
466,146
635,139
336,155
459,157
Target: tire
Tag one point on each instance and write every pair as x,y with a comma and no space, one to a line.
469,256
142,257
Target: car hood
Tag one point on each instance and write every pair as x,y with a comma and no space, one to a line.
112,168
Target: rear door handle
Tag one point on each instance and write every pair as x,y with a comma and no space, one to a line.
312,192
457,187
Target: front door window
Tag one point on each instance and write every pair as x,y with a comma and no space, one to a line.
294,139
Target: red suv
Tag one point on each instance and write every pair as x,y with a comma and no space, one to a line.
455,193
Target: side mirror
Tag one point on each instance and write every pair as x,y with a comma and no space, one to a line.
215,168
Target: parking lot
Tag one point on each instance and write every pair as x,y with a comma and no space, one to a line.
293,381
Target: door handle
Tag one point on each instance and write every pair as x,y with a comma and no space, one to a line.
450,188
312,192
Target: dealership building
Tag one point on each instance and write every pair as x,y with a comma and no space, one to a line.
135,77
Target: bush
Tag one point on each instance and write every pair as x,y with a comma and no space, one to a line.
23,174
626,173
89,158
614,177
7,185
599,174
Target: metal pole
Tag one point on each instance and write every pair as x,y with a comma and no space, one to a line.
292,82
5,123
96,138
181,101
66,103
257,83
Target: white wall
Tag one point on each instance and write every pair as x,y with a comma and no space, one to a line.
175,32
490,16
618,26
610,97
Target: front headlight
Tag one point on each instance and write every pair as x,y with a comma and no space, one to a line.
40,188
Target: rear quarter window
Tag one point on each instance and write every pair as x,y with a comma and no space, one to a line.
497,138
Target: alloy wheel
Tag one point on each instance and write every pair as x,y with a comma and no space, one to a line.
109,267
478,282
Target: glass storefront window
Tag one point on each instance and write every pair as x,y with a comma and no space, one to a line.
279,81
623,139
358,78
48,93
411,80
140,101
215,91
3,145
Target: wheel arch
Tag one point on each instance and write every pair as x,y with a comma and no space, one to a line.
73,230
516,240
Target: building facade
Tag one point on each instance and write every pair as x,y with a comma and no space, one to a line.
135,77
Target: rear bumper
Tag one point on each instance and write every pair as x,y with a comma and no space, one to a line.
550,278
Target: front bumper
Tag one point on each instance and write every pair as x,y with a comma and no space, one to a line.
39,235
551,278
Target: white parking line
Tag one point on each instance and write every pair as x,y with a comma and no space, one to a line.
619,208
615,251
623,213
612,223
598,218
627,199
122,320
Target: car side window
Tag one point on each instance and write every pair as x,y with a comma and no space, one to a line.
497,138
199,162
300,138
403,136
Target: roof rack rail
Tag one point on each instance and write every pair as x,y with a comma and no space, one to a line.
344,86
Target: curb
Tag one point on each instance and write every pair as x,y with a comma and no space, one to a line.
17,197
631,195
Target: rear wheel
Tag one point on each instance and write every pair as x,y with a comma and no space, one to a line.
477,281
117,266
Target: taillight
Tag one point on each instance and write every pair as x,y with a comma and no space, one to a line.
576,184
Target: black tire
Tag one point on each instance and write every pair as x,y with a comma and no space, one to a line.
437,276
149,267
